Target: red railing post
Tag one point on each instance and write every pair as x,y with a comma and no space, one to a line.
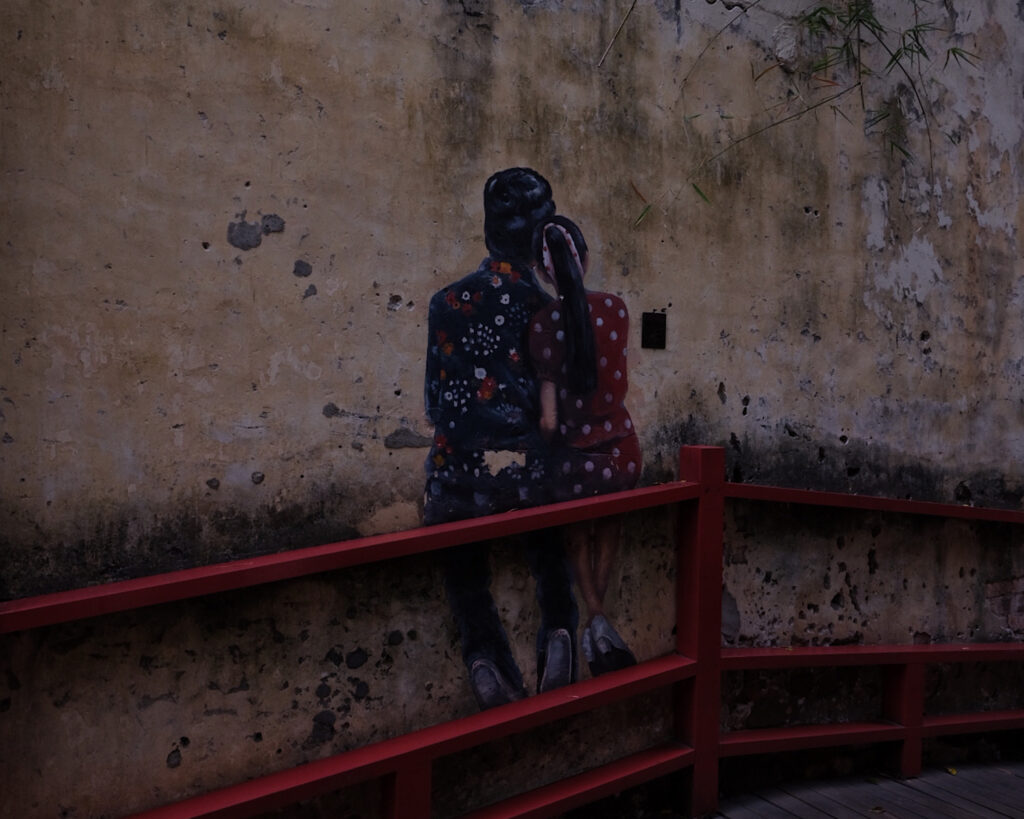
407,791
903,703
699,617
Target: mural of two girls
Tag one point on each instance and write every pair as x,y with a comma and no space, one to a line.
512,369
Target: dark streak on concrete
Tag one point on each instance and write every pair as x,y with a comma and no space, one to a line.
248,235
799,460
119,546
271,223
244,235
215,712
361,690
323,728
406,439
145,702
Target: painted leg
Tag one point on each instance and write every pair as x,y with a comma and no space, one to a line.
581,554
556,639
606,547
611,651
493,673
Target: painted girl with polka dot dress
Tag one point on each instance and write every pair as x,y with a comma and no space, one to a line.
578,350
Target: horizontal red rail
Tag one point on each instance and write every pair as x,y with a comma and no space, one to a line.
563,702
801,737
419,747
976,722
740,659
403,763
777,494
91,601
597,783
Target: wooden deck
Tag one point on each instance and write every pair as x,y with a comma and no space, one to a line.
972,792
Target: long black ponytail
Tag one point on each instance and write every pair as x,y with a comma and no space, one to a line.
580,346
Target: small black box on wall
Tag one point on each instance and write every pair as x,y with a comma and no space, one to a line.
652,331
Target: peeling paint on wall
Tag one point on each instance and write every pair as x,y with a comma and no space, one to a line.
205,692
213,326
848,292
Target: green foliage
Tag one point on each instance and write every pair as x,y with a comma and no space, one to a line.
854,50
856,40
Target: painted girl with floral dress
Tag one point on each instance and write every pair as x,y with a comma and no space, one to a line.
578,351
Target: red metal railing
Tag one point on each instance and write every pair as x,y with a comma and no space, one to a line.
693,672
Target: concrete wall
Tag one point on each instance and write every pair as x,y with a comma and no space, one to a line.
121,713
838,314
174,393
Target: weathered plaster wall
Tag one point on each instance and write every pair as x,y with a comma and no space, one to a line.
223,223
840,315
120,713
799,576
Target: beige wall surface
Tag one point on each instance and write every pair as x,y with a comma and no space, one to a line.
223,224
840,314
116,714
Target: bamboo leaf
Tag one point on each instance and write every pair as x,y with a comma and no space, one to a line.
643,215
895,146
700,193
837,110
961,56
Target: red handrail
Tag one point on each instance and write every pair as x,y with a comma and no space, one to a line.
124,595
840,500
693,671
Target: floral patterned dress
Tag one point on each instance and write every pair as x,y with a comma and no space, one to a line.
482,394
596,449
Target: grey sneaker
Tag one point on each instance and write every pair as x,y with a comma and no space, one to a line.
587,645
558,661
612,651
490,686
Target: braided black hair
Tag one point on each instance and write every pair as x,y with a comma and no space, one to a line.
516,200
580,346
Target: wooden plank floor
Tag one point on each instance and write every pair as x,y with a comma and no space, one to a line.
972,792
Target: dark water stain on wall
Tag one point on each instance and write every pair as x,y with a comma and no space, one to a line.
800,460
119,545
464,48
249,235
470,779
813,576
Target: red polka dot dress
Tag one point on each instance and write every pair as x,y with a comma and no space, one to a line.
596,449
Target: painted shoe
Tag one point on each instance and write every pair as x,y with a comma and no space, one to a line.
587,645
558,661
611,652
490,687
595,662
